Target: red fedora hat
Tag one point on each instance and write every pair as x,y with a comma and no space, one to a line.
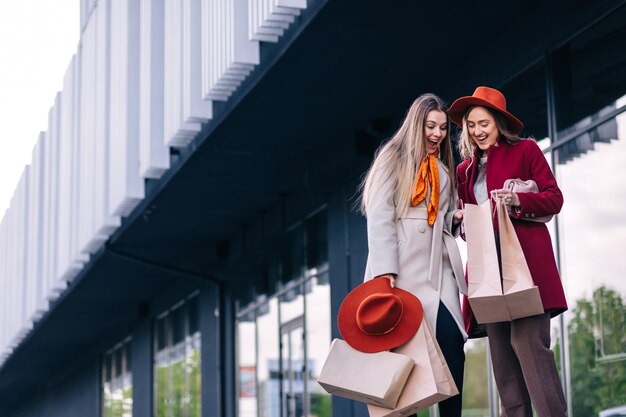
375,317
485,97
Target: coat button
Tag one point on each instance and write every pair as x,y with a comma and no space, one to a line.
532,215
421,228
526,215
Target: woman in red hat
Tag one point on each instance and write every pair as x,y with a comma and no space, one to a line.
409,201
524,366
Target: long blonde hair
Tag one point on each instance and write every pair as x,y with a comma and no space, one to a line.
467,146
398,159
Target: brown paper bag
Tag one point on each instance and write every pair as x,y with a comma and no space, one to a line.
484,287
373,378
520,292
430,380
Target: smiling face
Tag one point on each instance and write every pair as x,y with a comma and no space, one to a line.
482,128
435,129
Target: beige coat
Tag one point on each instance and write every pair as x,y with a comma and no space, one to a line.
425,259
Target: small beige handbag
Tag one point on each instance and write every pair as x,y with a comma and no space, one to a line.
529,186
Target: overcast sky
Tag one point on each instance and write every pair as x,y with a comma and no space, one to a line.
37,41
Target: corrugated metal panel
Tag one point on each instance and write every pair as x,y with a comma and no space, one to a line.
122,106
269,18
154,157
126,188
55,285
228,54
104,223
195,107
178,133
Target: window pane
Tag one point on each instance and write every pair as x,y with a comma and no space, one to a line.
526,99
268,370
117,382
293,372
318,325
291,303
127,383
194,316
292,252
107,400
476,379
592,228
193,376
589,71
177,362
246,360
177,321
316,241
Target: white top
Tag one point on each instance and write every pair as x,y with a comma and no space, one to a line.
480,185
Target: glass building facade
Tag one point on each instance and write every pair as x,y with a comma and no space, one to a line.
283,338
177,378
219,292
117,382
575,109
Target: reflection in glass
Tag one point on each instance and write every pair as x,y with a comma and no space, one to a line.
526,99
475,384
589,71
291,303
292,353
268,366
283,338
117,384
316,241
177,362
246,360
318,338
592,227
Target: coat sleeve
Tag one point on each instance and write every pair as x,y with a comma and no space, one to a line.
382,235
462,198
549,199
450,226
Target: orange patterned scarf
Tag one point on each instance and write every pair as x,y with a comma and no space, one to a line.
428,172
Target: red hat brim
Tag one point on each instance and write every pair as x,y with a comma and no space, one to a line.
410,321
459,107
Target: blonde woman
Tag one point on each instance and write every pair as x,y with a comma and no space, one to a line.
408,199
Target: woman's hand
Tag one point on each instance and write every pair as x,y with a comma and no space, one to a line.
510,198
391,278
457,218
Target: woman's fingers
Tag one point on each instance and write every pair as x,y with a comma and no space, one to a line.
508,196
458,216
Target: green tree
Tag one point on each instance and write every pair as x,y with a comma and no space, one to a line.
475,385
597,347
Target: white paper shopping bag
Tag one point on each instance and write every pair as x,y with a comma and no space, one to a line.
430,380
373,378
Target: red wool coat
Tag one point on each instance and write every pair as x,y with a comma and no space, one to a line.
523,160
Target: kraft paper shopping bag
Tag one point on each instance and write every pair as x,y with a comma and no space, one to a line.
520,292
373,378
430,380
483,273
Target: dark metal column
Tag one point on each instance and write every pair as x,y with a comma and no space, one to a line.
553,133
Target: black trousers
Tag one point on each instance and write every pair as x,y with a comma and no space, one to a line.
451,343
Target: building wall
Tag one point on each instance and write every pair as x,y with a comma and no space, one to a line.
77,395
